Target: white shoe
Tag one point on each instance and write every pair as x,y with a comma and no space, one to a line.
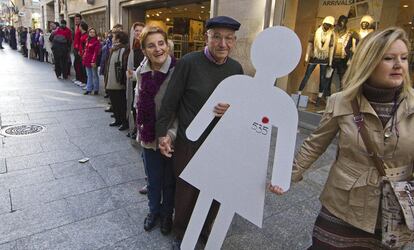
82,84
74,80
84,88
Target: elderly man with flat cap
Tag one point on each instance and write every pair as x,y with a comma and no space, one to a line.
194,79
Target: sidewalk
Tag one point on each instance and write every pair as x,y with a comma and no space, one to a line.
50,201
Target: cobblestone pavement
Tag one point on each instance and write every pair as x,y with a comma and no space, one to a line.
48,200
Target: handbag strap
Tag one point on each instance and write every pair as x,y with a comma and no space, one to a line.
359,121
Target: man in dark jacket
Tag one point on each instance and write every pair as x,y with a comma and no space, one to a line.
61,42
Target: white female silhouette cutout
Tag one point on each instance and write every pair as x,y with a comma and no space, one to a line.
231,164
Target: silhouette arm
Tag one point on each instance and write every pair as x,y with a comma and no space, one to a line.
285,144
222,94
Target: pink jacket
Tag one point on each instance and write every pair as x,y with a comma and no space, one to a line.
91,53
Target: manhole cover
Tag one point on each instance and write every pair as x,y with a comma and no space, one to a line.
22,130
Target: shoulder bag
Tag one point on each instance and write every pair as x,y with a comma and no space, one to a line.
397,201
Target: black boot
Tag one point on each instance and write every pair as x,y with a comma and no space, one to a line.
150,221
166,224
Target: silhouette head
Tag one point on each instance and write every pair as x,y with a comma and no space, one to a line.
275,52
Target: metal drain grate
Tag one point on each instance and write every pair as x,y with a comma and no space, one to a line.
22,130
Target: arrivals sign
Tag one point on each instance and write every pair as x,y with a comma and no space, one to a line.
334,8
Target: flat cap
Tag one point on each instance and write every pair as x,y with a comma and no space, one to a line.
222,22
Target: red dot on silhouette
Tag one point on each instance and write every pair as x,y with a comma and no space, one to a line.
265,120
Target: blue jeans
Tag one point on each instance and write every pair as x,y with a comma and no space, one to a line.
161,182
92,83
323,82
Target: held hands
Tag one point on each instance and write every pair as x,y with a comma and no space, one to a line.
165,145
220,109
129,73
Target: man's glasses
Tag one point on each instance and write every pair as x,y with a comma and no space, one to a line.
218,38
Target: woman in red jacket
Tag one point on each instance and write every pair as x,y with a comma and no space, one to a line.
89,59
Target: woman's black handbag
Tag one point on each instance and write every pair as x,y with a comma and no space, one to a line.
118,68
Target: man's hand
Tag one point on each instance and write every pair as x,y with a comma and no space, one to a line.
165,145
220,109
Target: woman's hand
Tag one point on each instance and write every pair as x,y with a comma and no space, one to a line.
93,65
276,189
220,109
165,145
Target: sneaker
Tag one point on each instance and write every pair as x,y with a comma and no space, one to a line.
84,88
82,84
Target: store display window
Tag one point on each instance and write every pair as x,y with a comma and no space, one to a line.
184,25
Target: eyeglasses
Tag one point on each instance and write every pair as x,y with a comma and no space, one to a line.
218,38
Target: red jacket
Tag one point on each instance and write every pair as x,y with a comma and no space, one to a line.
83,40
76,39
62,36
91,53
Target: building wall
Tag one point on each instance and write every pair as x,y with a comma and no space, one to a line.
251,15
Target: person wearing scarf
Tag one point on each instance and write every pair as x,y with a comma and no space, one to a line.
152,81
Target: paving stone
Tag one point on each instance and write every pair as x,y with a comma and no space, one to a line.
26,177
54,190
20,149
3,164
299,192
4,201
71,168
293,225
34,220
147,240
252,240
41,159
58,144
116,158
127,194
121,174
94,149
9,246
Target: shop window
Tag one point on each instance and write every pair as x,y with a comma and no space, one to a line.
184,25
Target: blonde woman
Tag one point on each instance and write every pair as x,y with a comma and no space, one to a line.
378,78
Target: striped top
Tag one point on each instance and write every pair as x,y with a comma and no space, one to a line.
382,100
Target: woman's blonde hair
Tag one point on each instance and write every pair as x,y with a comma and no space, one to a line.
368,54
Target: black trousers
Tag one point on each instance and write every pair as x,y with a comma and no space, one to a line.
61,61
118,101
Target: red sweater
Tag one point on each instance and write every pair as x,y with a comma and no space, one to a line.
76,39
92,50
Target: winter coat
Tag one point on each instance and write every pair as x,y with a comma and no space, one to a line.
352,191
91,53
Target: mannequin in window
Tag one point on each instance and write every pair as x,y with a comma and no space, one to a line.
320,52
341,55
366,27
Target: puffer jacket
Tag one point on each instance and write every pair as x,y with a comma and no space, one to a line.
352,191
91,53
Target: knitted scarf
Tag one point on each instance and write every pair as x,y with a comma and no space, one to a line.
151,82
321,43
